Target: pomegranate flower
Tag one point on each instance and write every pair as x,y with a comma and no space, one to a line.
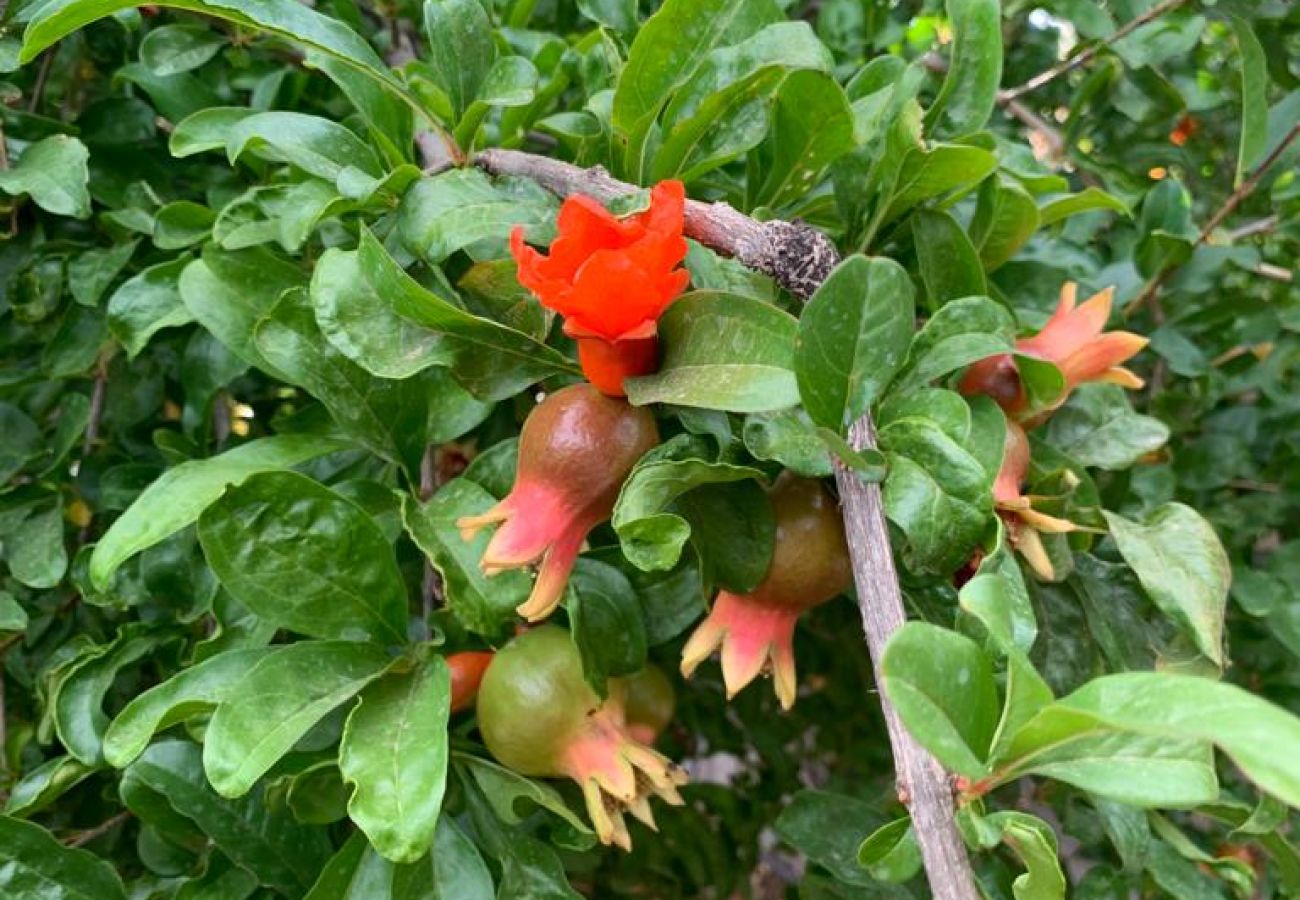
1024,523
611,279
810,565
1074,340
575,450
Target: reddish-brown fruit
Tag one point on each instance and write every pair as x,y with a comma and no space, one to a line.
466,674
810,565
576,449
539,717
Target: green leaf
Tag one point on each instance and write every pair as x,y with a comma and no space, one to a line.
950,264
36,552
941,684
1087,200
970,88
277,701
483,605
606,624
1034,841
1254,98
812,126
1005,218
960,333
513,798
891,853
789,438
1178,708
1182,567
254,833
90,273
177,498
146,304
79,718
394,753
300,555
457,209
1098,427
853,337
173,49
191,692
316,145
492,361
723,110
803,824
667,52
511,82
926,174
650,532
228,292
44,784
53,172
461,49
12,616
722,351
388,417
35,865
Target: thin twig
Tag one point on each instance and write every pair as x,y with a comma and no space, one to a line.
1235,199
82,838
800,258
97,395
1088,52
42,75
1259,226
4,727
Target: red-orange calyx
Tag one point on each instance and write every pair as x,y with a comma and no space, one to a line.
611,279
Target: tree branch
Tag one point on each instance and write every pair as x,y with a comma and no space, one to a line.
1088,52
1234,200
82,838
799,258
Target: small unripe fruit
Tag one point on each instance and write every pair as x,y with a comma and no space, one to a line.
649,701
810,565
539,717
575,451
466,674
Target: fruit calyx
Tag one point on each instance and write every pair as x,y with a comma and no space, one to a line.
576,449
539,717
810,565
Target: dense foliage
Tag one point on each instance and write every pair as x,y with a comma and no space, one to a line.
265,344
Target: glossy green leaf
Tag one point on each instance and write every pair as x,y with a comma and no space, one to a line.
1098,427
146,304
1182,567
183,492
461,50
45,784
950,264
812,126
251,831
960,333
482,604
606,624
36,552
652,533
12,616
173,49
891,853
1087,200
970,88
853,338
667,52
35,866
1254,98
513,798
942,686
278,700
191,692
274,542
926,174
789,438
53,172
394,754
1005,218
316,145
722,351
455,210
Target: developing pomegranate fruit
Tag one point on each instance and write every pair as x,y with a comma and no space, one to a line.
810,565
466,674
575,451
539,717
649,703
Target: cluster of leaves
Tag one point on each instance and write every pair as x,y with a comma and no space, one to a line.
259,354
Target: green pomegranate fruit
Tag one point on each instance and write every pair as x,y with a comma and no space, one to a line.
539,717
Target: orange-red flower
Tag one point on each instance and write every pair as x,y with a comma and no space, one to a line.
1074,340
611,278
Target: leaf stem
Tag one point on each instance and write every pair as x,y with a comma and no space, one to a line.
82,838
